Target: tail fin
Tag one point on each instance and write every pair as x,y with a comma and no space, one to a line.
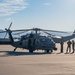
74,32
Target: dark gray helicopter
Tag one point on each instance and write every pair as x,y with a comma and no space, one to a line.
34,40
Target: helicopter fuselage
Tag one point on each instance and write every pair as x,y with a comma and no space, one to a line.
35,43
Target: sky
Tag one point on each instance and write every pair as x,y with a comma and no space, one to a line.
46,14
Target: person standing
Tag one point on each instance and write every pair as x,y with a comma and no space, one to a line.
73,44
68,46
61,49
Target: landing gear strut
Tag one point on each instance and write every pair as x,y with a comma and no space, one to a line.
15,49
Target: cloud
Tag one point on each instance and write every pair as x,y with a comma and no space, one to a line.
8,20
9,7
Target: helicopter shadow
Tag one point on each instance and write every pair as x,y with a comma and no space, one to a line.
12,53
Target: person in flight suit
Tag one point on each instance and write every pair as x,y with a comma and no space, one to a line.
73,44
61,43
68,46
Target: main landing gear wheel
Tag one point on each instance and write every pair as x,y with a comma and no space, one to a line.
47,51
51,51
31,51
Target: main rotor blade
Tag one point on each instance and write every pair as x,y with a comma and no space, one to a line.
34,29
20,32
48,33
54,31
53,36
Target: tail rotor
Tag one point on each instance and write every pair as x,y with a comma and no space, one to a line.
7,30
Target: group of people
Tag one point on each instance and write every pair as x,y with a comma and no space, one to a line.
69,45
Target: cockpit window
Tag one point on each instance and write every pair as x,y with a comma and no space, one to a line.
50,38
42,40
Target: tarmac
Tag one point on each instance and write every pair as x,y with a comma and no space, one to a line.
22,62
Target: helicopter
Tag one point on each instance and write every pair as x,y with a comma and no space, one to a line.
34,39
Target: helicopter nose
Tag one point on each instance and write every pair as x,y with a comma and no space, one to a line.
55,48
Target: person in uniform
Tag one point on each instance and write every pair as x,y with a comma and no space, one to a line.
61,46
73,44
68,46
